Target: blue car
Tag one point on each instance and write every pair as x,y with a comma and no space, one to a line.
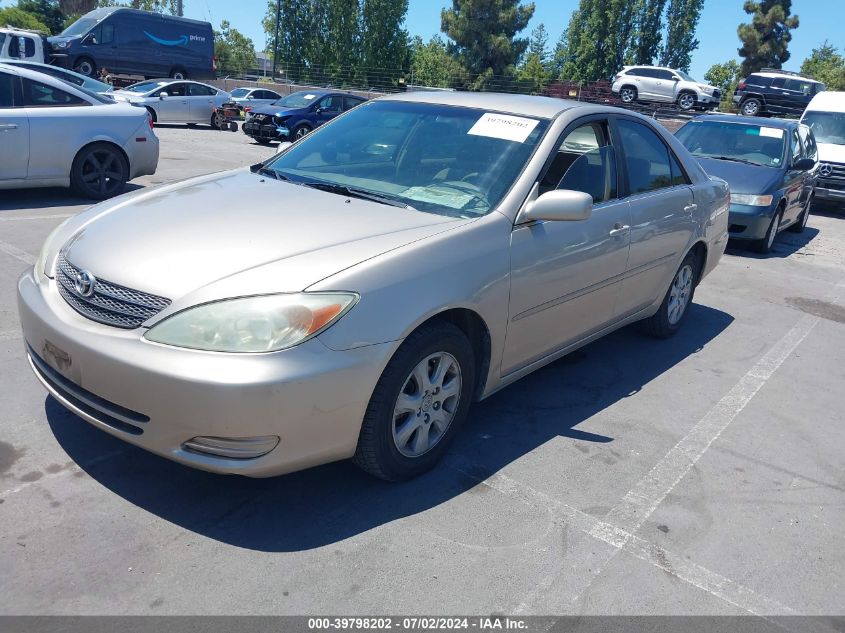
294,116
770,166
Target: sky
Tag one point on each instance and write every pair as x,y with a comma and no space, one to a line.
716,29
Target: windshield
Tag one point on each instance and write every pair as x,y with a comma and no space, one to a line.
297,100
82,25
440,159
828,127
755,144
239,92
144,86
685,76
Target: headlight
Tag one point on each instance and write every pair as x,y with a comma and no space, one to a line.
61,45
266,323
41,263
752,201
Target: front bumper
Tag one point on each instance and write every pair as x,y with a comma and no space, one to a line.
158,397
830,191
749,223
268,131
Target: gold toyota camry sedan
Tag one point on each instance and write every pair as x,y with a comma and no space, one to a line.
354,295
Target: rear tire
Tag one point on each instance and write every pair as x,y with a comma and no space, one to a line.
628,94
178,73
670,316
765,245
99,171
751,107
418,404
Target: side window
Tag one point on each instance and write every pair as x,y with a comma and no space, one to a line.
809,141
779,82
679,176
36,94
664,74
331,103
585,161
198,90
796,147
174,90
636,72
647,158
21,47
6,90
351,102
649,72
106,34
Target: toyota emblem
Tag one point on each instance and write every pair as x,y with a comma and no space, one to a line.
84,284
826,169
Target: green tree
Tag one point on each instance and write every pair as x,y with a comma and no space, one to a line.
826,65
682,20
648,31
384,43
234,51
12,16
766,39
47,12
534,72
724,76
433,65
596,40
294,35
484,35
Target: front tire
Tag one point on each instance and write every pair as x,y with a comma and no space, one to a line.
669,317
765,245
418,404
801,224
85,66
301,131
178,73
99,171
686,101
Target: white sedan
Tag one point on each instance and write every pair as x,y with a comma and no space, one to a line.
170,101
54,134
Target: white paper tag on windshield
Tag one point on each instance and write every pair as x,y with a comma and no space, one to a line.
772,132
309,96
509,128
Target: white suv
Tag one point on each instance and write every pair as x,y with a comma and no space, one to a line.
652,83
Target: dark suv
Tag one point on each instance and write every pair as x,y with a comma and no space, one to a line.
773,91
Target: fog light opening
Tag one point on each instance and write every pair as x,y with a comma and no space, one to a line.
232,447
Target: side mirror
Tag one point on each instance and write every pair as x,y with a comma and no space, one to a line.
560,205
162,95
676,78
804,164
283,146
318,110
249,97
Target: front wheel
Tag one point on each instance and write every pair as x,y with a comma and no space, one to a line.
765,245
85,66
668,318
301,131
686,101
751,107
801,224
418,404
178,73
99,171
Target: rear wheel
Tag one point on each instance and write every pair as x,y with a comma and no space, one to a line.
178,73
751,107
85,66
765,245
99,171
628,94
668,318
216,121
420,401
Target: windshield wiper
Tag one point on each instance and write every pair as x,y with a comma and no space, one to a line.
734,160
352,192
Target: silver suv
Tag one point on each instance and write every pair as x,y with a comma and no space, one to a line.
652,83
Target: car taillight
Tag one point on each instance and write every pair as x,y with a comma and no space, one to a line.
741,85
150,120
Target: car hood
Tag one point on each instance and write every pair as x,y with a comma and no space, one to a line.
277,111
831,153
746,179
254,233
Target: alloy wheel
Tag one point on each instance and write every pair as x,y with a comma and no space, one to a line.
679,294
627,95
102,172
426,404
686,101
300,133
750,108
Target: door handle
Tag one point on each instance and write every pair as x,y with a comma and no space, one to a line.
619,229
9,126
690,208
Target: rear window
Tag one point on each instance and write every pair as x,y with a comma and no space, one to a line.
757,80
237,93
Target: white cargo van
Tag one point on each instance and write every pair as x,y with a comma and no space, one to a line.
23,44
826,116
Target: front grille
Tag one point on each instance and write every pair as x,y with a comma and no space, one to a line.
100,409
111,304
838,171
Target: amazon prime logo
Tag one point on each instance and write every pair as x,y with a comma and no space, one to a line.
826,170
84,284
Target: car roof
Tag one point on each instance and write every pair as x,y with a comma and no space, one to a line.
785,73
781,124
526,105
827,101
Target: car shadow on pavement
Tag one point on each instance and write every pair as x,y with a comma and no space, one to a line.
48,197
786,243
324,505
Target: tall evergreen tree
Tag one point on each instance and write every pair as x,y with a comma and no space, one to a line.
384,43
294,34
598,35
534,72
681,20
766,39
484,35
648,31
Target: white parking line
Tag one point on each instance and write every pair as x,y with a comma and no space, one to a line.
37,217
17,253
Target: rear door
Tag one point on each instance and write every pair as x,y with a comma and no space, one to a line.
794,180
800,92
648,83
14,130
662,205
778,97
664,87
201,102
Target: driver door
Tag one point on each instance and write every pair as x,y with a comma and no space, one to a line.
565,276
14,132
174,107
328,108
